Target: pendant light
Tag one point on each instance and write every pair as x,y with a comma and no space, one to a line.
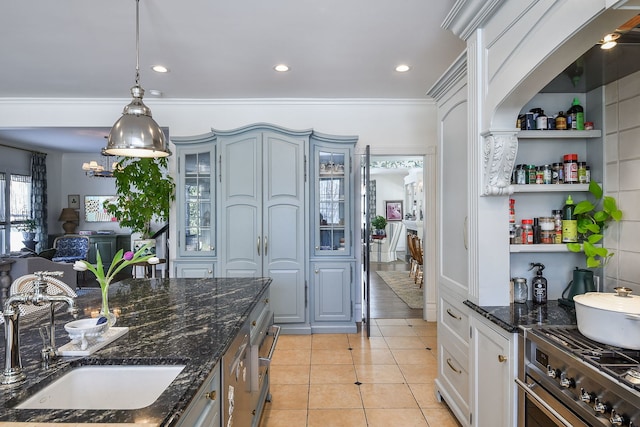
136,134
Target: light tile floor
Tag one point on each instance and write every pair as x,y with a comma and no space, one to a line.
347,380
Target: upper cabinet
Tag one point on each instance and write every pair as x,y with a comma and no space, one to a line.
196,200
331,200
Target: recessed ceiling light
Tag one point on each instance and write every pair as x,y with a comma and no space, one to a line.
160,69
155,92
402,68
281,68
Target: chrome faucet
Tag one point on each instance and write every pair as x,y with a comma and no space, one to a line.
38,296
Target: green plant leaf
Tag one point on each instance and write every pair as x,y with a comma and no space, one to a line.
589,249
601,216
593,263
595,189
593,228
616,215
601,252
609,204
594,238
574,247
583,206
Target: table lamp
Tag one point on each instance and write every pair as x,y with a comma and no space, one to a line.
70,217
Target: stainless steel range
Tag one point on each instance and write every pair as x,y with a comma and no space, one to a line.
567,379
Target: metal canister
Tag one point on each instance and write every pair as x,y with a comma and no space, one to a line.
557,173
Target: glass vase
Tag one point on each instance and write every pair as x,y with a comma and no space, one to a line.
104,310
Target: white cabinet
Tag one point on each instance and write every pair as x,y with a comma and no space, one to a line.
262,213
494,358
453,382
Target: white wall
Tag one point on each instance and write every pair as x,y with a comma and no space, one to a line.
622,157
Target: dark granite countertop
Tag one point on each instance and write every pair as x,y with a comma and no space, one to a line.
514,316
171,321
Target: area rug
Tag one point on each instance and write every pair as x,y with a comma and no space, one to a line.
403,286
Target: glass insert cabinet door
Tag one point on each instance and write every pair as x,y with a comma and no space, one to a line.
331,234
198,204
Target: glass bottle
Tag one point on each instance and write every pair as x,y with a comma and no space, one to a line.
569,222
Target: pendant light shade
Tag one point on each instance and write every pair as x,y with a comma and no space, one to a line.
136,134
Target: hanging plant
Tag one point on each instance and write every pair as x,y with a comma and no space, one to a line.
144,190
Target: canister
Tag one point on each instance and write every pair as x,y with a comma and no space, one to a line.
520,290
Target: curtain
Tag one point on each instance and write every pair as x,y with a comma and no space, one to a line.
39,198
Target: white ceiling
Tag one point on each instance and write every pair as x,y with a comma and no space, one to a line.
224,49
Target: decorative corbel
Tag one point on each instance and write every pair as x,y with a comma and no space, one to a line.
499,149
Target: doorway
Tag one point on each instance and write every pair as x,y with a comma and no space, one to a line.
395,193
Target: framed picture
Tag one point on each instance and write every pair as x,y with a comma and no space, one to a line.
393,208
73,201
94,210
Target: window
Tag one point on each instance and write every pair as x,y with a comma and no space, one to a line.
15,203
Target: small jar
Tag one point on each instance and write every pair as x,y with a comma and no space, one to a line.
520,290
582,172
531,174
518,235
588,174
557,218
557,174
527,232
547,227
588,125
539,175
547,174
570,168
521,175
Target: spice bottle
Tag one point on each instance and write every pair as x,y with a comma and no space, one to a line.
570,168
561,121
582,172
537,231
577,115
557,226
569,222
527,232
541,121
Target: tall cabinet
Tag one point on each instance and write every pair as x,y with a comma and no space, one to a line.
263,200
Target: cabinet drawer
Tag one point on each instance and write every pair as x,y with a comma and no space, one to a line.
455,320
454,372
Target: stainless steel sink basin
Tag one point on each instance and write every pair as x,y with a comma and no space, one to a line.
105,387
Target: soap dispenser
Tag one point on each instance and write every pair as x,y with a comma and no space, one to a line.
538,284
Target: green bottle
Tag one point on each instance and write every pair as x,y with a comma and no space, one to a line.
577,123
569,222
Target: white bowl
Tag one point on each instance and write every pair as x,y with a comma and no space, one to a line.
85,331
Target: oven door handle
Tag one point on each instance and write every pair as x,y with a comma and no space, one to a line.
528,389
275,331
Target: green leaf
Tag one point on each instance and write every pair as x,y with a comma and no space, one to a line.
594,228
583,206
595,189
574,247
601,252
609,204
589,249
601,216
617,215
594,238
592,262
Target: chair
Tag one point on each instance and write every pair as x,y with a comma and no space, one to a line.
415,249
71,248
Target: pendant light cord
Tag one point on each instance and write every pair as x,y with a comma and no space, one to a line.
137,42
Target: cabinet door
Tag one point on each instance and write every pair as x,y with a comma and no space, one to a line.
204,410
197,201
332,169
106,245
332,291
494,377
194,270
262,215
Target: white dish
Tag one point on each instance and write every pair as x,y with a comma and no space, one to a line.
84,331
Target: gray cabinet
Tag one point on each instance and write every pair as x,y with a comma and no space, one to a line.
332,291
262,213
204,411
262,200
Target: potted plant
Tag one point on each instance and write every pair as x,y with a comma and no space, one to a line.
144,193
379,223
592,219
28,229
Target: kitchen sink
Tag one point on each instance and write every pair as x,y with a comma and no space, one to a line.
105,387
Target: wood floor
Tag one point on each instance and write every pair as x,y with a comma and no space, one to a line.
385,304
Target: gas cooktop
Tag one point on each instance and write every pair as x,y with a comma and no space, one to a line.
622,364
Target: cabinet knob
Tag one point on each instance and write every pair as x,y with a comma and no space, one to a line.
502,358
254,323
211,395
317,271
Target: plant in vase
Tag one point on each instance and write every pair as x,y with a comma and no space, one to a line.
120,260
379,223
592,220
